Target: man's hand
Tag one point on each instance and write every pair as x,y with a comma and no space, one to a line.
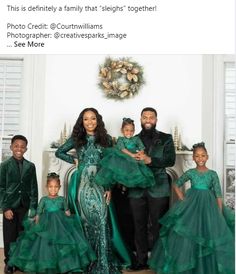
140,156
8,214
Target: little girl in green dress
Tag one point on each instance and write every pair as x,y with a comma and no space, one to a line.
54,241
119,164
197,234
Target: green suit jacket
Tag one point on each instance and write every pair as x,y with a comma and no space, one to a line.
162,153
18,189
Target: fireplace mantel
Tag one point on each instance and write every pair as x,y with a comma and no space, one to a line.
183,163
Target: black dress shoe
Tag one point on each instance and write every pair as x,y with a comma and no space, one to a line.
140,267
8,269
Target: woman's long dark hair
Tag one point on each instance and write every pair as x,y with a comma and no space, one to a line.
79,133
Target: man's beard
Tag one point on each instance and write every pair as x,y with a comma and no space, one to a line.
148,130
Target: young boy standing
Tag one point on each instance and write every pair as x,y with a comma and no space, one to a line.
18,193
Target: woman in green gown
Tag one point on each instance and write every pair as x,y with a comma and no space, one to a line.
197,234
90,201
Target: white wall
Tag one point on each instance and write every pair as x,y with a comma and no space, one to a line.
173,86
60,86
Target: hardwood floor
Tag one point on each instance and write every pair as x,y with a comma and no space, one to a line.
125,272
2,263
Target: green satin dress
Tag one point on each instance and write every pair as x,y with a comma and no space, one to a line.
196,237
87,200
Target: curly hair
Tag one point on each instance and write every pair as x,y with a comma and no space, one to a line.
199,145
79,133
53,176
127,121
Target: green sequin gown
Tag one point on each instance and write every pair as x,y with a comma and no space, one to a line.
56,244
87,200
196,238
118,167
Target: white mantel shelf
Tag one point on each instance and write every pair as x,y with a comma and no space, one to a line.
184,152
183,162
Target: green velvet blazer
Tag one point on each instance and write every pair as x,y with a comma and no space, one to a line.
162,153
18,189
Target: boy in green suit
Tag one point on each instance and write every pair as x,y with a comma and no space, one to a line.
18,193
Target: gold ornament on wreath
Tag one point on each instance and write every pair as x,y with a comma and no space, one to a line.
120,79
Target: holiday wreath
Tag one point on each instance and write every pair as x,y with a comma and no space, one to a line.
120,79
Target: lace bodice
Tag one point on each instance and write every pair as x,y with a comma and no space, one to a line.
132,144
89,154
52,204
207,179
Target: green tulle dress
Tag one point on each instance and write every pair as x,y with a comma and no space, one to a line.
54,245
87,200
118,167
196,238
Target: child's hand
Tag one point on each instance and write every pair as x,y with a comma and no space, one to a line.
133,155
141,156
178,192
67,212
36,219
220,204
136,156
8,214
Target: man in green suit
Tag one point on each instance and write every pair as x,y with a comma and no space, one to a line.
150,204
18,193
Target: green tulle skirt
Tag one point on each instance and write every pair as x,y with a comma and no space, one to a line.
195,238
118,167
55,245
